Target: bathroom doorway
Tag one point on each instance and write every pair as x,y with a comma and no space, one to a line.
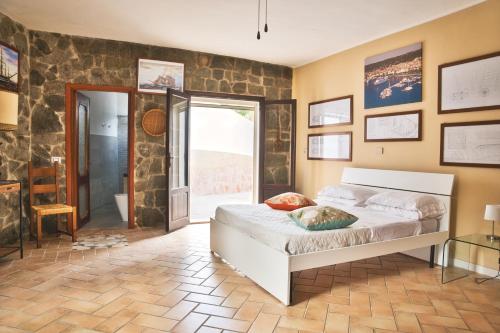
99,152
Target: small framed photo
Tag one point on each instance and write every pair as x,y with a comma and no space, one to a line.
330,112
334,146
398,126
475,144
155,77
469,85
9,68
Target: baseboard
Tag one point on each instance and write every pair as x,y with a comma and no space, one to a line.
475,268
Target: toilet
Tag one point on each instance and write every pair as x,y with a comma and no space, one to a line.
122,203
121,199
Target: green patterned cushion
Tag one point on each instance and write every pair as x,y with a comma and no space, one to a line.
321,218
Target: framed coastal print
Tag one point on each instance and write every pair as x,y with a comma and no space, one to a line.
475,144
155,77
329,112
394,77
398,126
9,68
469,85
335,146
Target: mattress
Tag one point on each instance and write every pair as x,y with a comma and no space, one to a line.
277,230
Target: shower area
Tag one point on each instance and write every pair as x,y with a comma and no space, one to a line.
107,157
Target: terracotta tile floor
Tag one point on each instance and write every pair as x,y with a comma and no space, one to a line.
172,283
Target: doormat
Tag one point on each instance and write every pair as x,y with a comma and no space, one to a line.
100,241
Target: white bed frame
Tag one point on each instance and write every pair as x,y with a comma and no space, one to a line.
271,269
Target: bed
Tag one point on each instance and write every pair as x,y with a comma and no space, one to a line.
267,247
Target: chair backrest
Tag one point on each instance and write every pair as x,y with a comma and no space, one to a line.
46,172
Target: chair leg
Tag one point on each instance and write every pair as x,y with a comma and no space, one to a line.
73,225
32,226
39,230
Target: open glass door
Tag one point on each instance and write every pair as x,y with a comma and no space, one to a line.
277,148
177,145
83,179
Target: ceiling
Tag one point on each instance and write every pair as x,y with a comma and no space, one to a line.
299,31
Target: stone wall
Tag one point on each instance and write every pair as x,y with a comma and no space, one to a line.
56,59
15,145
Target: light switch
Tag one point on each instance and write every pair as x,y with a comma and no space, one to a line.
380,151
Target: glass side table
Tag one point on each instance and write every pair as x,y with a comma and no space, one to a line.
459,247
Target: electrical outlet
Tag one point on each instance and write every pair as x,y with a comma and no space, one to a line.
57,159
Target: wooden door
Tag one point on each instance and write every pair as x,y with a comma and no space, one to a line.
277,148
178,106
82,158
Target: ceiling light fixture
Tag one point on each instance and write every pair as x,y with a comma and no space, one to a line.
266,28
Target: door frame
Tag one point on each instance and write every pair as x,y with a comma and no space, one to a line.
252,98
71,142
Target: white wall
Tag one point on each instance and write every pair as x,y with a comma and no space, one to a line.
104,108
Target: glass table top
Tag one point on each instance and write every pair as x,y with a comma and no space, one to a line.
479,240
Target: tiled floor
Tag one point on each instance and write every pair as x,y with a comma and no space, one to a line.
172,283
106,217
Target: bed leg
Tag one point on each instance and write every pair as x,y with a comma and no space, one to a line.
431,258
291,287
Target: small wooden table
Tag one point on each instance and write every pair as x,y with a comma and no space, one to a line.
11,186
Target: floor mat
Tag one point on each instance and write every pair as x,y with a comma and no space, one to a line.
100,241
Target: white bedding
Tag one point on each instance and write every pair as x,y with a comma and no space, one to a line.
276,229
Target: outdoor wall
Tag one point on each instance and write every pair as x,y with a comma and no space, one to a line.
472,32
56,59
15,145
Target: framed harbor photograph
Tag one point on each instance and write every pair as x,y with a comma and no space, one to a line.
469,85
335,146
9,68
329,112
398,126
475,144
155,77
394,77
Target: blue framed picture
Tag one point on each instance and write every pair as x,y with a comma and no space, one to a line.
394,77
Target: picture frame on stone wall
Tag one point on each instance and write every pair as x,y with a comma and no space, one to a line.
156,76
333,146
9,68
331,112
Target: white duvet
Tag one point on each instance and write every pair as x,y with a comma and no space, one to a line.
276,229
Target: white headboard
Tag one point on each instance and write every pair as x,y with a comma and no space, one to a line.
425,182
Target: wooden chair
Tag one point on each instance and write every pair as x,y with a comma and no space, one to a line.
37,212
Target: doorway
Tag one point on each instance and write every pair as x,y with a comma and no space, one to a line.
99,153
223,154
272,153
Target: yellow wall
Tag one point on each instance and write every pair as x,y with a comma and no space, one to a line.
465,34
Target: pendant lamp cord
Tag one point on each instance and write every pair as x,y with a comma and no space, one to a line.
258,20
265,26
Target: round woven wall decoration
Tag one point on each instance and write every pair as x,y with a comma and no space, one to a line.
153,122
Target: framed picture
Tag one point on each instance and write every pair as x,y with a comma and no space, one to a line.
329,112
394,77
9,68
398,126
335,146
469,85
155,77
475,144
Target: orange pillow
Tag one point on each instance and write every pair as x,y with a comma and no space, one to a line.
289,201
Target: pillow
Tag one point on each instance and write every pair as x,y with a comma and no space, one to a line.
331,201
289,201
321,218
409,214
423,205
359,194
